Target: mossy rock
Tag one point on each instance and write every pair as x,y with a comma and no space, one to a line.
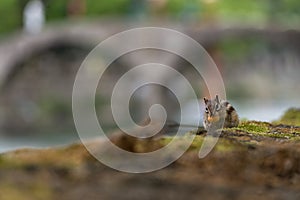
254,127
290,117
70,172
265,154
262,131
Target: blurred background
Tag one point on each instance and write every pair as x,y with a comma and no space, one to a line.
255,44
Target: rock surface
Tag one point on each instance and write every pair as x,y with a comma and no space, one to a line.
256,160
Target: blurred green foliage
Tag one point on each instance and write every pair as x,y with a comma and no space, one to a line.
56,9
11,11
285,12
246,10
175,6
10,17
111,7
239,48
290,117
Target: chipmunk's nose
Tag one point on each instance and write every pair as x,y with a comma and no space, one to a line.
212,119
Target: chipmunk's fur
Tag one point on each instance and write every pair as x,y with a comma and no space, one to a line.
219,111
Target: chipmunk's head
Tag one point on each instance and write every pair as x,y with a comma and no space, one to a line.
212,109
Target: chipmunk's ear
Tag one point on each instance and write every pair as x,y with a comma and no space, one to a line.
217,99
205,100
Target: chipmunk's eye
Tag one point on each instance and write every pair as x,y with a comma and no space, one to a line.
206,110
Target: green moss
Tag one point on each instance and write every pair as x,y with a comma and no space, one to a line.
38,190
223,145
290,117
44,158
281,135
226,146
197,142
254,126
265,129
165,140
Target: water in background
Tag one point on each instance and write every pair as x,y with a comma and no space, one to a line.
261,82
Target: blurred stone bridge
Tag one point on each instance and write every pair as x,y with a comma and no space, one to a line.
19,47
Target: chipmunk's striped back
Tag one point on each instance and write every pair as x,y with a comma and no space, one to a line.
232,118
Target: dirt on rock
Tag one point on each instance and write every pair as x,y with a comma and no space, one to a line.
254,161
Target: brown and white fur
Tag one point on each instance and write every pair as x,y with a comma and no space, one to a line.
219,111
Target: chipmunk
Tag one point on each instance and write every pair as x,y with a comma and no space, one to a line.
216,110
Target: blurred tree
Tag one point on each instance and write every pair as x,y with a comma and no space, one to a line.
282,12
137,9
273,7
10,15
55,9
111,7
76,7
190,11
210,11
157,8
